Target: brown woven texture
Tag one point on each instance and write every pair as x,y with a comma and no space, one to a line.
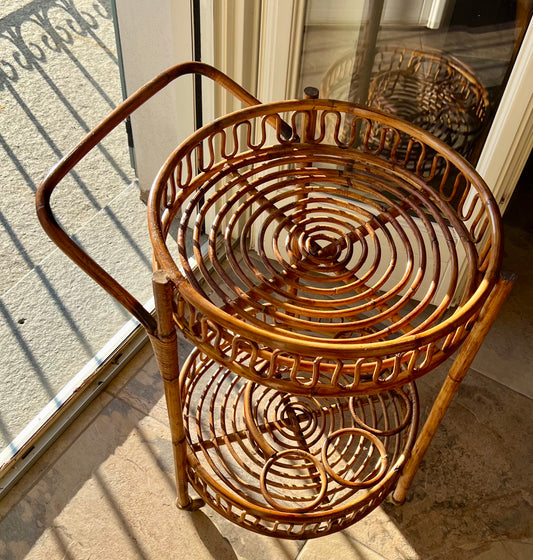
332,268
292,467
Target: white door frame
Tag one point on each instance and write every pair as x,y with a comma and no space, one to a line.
510,139
281,35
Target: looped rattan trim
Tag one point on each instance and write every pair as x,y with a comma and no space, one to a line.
321,249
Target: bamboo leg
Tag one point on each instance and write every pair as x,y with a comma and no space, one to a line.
165,345
457,372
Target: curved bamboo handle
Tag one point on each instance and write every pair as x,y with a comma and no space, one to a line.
65,165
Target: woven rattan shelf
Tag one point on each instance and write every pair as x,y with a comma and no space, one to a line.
275,463
348,253
331,264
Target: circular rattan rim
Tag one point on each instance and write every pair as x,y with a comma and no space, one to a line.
292,341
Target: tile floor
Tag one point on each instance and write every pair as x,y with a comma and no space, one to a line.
105,489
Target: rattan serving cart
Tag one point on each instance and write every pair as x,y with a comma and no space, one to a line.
335,271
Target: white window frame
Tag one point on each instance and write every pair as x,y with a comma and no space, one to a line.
510,139
152,39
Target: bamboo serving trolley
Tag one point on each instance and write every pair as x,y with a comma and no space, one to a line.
329,280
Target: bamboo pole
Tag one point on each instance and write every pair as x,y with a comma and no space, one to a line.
457,372
365,52
165,345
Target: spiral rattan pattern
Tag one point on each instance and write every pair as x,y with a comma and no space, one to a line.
332,264
295,467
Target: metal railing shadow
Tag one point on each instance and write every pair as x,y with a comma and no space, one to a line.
29,38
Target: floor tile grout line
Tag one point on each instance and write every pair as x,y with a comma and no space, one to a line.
508,387
300,552
374,552
140,410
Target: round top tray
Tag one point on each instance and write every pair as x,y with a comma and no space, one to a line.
315,259
429,88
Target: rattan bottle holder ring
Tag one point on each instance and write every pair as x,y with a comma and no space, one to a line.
318,273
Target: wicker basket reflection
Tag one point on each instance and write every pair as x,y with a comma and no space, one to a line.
430,89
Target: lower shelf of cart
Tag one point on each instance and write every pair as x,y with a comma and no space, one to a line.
289,465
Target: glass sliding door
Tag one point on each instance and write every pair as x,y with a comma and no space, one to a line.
59,76
62,336
440,64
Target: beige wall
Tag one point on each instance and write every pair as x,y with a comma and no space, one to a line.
154,36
